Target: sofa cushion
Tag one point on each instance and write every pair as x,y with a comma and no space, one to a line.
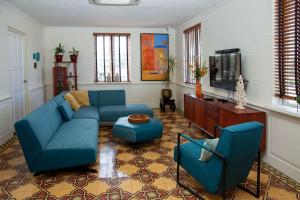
65,111
45,116
89,112
36,129
74,143
72,101
94,98
59,99
113,113
112,97
81,97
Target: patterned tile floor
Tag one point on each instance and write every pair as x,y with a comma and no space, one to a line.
143,171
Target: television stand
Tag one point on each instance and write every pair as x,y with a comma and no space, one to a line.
212,113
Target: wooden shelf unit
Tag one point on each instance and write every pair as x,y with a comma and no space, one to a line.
61,76
208,114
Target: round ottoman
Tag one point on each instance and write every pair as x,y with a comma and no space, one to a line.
137,132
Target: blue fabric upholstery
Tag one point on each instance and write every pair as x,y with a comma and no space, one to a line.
74,143
32,133
239,144
138,132
49,143
113,113
112,97
88,112
65,111
94,98
59,99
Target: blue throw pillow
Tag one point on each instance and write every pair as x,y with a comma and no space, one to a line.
65,111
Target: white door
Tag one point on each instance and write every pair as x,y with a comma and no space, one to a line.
16,64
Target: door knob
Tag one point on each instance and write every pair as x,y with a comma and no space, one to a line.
25,81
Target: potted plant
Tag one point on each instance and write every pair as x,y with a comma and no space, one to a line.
166,93
199,72
59,52
74,55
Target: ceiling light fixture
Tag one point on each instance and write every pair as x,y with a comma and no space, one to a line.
115,2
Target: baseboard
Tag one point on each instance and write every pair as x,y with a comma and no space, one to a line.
6,136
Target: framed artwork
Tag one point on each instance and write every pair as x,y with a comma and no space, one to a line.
154,56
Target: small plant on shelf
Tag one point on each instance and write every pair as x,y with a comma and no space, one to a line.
59,52
74,54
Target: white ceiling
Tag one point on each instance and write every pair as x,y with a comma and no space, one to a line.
149,13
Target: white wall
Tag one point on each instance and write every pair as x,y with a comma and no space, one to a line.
13,17
136,92
248,25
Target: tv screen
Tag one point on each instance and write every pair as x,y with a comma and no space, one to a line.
225,70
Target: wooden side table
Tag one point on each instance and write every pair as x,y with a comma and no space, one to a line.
170,102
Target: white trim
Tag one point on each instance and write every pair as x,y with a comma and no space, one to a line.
118,83
5,98
14,30
290,111
37,87
6,129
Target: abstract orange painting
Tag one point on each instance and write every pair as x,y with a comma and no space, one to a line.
154,55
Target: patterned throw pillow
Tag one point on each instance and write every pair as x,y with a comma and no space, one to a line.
210,144
81,96
72,101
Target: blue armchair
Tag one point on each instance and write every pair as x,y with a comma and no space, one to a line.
231,162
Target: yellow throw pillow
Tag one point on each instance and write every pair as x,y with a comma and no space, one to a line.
72,101
81,96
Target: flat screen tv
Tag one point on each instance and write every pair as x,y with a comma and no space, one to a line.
225,69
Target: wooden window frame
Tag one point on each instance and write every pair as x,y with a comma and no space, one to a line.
192,49
112,68
287,49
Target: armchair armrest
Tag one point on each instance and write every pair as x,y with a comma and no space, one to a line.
215,130
197,144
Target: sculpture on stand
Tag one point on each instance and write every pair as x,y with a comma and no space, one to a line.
240,95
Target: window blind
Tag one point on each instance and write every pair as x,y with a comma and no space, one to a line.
287,48
192,48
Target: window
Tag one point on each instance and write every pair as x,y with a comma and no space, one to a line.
192,47
287,49
112,57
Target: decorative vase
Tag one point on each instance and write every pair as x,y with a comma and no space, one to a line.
73,58
166,93
58,58
198,89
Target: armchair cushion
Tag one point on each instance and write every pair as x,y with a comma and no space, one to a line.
212,145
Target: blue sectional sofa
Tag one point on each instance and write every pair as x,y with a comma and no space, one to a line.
50,143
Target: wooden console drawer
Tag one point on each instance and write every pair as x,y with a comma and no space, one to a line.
210,125
212,112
